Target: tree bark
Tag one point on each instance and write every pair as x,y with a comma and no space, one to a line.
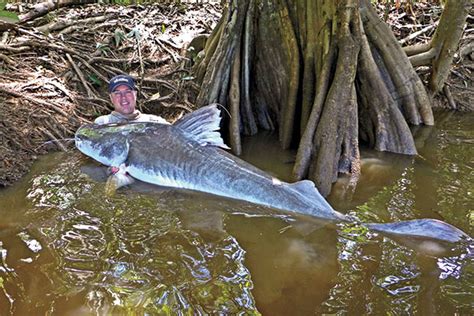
446,40
326,74
439,52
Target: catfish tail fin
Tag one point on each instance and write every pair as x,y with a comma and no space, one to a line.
427,236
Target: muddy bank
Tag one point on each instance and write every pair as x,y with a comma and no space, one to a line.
54,71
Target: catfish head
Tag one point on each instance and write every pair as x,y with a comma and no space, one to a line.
108,144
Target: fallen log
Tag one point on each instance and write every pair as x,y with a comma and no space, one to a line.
44,8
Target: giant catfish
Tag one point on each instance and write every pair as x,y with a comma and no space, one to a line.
190,154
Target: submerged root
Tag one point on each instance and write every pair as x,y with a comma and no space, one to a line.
323,92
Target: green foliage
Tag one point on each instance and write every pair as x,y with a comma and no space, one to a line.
94,80
122,2
135,32
104,48
50,17
7,16
357,233
119,37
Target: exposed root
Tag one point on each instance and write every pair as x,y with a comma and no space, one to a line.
332,127
234,102
54,73
317,89
305,149
288,109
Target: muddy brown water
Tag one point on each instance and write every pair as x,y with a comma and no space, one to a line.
66,249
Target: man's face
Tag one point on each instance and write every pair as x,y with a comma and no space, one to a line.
124,99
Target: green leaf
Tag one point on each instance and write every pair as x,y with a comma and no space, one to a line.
8,17
163,28
119,36
135,32
94,79
104,48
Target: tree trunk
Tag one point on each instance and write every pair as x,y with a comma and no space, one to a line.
439,53
326,74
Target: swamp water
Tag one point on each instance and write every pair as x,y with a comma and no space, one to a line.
67,249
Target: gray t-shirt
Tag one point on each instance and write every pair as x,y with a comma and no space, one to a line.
115,117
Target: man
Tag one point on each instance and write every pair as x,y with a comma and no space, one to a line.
123,95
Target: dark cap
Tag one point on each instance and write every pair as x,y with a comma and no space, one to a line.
121,80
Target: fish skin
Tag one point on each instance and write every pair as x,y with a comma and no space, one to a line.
187,155
431,228
218,174
165,155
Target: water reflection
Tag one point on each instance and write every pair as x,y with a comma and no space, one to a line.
66,248
378,276
117,255
292,273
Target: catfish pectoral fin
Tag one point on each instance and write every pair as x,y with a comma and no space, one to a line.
117,181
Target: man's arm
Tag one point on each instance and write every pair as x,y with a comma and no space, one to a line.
105,119
101,120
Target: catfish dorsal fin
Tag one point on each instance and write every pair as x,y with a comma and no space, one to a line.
203,126
307,189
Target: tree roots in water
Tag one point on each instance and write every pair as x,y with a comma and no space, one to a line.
325,75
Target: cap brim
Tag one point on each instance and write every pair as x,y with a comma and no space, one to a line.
112,89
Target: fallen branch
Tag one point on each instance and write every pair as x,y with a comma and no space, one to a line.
416,34
6,59
63,89
88,66
44,8
12,49
127,61
169,51
34,100
423,59
60,25
90,93
159,81
449,96
53,139
417,49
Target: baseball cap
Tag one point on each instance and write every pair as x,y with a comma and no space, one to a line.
121,80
